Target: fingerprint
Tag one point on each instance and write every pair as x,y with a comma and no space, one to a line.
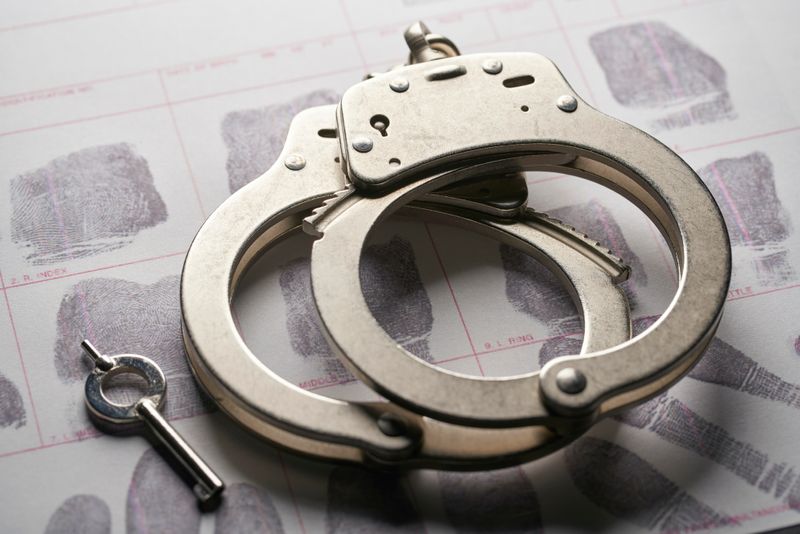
725,365
246,509
255,137
80,513
532,289
493,501
396,296
393,290
361,501
120,316
158,500
85,203
650,65
674,421
560,346
628,487
745,191
12,411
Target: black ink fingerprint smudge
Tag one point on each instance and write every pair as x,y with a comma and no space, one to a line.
86,203
533,289
396,296
494,501
650,65
81,513
630,488
725,365
674,421
392,288
745,191
12,410
245,509
120,316
364,501
158,500
255,137
678,424
560,346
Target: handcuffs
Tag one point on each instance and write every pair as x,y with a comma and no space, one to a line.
447,136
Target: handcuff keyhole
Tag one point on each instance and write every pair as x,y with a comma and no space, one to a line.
380,123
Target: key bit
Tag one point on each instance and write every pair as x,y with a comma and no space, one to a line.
208,486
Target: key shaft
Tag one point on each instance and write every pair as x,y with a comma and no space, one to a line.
207,485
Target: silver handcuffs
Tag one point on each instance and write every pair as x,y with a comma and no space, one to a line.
446,137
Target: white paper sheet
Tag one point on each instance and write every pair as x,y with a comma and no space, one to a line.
122,126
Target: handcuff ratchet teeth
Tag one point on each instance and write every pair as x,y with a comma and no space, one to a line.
446,138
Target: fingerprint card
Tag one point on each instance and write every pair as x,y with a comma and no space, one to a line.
122,128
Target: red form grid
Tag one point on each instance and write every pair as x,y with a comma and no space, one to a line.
352,33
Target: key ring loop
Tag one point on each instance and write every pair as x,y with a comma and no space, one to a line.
101,407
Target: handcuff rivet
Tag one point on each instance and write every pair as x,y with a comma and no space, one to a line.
392,425
570,380
399,85
362,144
567,103
492,66
295,162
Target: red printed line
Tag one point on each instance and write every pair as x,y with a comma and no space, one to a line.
453,295
503,349
291,491
21,361
731,204
567,40
82,119
685,150
353,33
617,10
171,104
765,292
266,85
254,87
183,149
331,384
666,9
241,53
88,271
91,434
459,357
174,66
492,25
737,140
83,16
292,44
